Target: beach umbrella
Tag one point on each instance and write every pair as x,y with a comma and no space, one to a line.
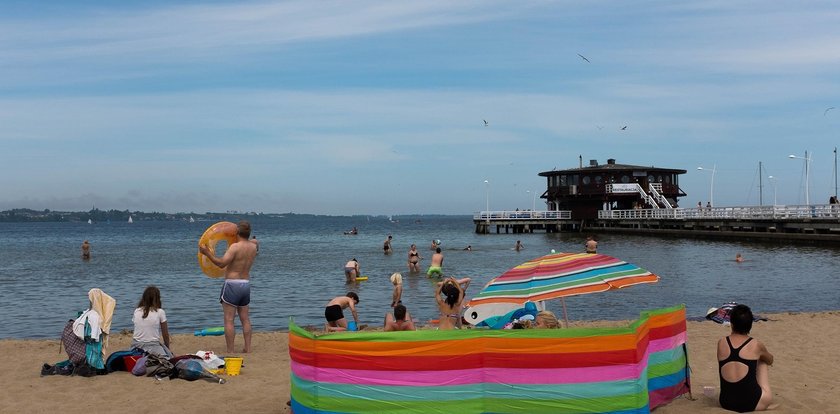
551,277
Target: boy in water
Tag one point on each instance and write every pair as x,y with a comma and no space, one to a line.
334,311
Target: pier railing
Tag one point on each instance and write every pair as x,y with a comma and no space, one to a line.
821,211
522,215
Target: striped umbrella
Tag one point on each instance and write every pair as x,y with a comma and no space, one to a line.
553,276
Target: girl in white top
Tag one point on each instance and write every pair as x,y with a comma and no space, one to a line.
151,332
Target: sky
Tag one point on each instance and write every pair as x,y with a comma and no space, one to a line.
358,107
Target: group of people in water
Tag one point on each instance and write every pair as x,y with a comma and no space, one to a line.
449,295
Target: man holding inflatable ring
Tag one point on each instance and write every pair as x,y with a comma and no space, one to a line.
236,292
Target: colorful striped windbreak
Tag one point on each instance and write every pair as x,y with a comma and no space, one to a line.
630,369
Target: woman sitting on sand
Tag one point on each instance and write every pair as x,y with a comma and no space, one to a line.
450,306
743,366
151,332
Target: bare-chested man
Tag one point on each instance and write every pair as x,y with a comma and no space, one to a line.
86,250
334,311
591,245
236,292
436,266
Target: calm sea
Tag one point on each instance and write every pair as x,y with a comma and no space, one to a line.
300,267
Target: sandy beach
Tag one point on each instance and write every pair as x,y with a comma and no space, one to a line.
803,377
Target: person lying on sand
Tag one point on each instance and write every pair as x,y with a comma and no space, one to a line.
400,320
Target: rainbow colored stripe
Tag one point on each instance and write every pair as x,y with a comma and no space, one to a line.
630,369
562,274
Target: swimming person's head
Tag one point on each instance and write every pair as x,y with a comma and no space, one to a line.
243,229
437,250
741,319
399,312
354,296
396,278
150,300
546,319
451,291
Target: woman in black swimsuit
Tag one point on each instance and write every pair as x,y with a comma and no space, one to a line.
743,366
413,259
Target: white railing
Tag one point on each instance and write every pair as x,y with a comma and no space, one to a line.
522,215
816,212
659,197
632,188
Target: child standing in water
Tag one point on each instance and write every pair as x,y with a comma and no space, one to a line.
396,280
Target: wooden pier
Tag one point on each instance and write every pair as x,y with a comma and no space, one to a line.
814,223
524,221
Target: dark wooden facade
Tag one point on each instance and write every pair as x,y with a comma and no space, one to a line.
586,190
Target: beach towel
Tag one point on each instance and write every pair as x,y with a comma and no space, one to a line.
721,314
93,349
103,305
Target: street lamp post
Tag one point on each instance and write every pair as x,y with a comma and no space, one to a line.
487,193
712,185
807,173
534,201
773,180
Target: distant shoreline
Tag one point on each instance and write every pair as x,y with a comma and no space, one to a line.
25,215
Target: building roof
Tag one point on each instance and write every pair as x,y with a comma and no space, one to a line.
611,166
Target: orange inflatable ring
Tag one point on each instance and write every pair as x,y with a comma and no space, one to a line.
223,230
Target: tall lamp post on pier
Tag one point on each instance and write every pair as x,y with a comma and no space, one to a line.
487,193
534,201
773,180
712,185
807,174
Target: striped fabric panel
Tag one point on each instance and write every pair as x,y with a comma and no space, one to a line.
613,370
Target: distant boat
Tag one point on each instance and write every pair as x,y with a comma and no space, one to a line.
192,220
130,220
90,221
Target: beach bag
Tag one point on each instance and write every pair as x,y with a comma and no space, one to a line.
74,345
158,366
116,361
140,367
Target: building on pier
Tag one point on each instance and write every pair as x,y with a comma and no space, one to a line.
586,190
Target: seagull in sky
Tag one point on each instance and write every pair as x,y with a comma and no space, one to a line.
584,58
624,128
485,122
827,109
600,127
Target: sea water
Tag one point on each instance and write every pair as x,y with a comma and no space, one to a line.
44,282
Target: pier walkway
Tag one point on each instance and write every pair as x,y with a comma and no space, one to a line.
809,223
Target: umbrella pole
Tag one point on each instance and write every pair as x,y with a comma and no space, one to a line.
565,315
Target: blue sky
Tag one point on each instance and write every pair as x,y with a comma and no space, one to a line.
337,107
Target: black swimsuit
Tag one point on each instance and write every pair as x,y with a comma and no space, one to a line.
741,396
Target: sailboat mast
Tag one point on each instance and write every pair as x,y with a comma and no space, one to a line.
760,186
835,172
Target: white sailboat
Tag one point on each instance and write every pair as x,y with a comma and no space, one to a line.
130,220
192,220
90,221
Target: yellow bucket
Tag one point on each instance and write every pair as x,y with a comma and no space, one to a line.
233,365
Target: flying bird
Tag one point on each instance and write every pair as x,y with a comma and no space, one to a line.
827,109
584,58
485,122
600,127
624,128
